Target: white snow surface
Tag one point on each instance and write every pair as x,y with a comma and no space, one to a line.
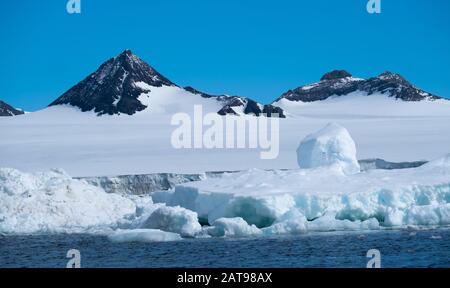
331,145
84,144
167,100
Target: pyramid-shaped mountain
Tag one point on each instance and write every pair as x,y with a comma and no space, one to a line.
117,85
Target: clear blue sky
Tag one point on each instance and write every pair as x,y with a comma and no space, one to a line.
258,49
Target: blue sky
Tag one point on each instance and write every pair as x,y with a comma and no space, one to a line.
258,49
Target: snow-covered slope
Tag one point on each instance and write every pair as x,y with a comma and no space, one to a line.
61,136
86,145
359,105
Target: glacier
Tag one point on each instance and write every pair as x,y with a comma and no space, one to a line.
330,193
236,204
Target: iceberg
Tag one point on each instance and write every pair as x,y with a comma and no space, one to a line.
292,222
329,223
143,235
54,202
174,219
332,145
232,227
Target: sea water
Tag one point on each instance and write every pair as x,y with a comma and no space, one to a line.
398,248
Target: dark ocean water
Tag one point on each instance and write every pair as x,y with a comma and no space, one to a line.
424,248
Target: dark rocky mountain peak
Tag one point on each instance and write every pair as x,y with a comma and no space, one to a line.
396,86
393,77
111,89
335,74
117,84
8,110
341,83
334,83
247,105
